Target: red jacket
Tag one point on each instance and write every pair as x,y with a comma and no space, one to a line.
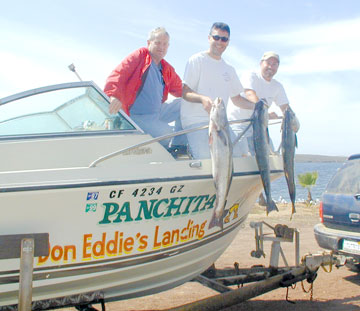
124,82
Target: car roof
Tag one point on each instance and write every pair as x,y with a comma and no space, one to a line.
354,156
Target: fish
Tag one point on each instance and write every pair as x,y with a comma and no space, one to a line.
289,128
260,120
221,150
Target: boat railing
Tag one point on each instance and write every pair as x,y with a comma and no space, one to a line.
160,138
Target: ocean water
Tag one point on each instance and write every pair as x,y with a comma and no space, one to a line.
326,170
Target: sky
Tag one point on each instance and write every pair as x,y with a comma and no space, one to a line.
318,42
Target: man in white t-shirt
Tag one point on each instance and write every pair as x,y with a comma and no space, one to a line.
259,85
206,77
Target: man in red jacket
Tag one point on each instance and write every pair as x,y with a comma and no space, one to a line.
141,83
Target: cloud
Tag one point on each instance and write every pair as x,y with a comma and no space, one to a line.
330,33
36,59
327,47
328,115
321,59
240,60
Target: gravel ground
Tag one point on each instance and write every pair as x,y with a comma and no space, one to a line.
337,290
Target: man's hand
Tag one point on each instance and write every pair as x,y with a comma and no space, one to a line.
115,105
193,97
273,115
207,103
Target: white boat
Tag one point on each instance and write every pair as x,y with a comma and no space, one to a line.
124,217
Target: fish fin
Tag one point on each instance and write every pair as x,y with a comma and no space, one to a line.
230,182
271,206
223,138
216,222
267,136
293,210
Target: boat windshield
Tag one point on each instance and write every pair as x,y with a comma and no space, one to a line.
59,110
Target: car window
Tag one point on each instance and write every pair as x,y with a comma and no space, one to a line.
62,110
347,179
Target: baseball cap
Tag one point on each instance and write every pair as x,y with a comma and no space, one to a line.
269,54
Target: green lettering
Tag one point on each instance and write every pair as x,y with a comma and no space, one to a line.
156,213
125,211
186,211
110,209
200,198
172,205
209,203
145,209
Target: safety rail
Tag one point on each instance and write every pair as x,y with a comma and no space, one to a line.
160,138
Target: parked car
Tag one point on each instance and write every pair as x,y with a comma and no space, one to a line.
339,229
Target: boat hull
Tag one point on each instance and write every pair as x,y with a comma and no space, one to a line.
123,239
124,217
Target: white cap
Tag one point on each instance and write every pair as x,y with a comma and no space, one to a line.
269,54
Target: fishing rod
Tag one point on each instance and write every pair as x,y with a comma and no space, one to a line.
72,68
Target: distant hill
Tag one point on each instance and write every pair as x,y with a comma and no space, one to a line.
318,158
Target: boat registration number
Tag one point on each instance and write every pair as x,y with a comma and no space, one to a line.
351,246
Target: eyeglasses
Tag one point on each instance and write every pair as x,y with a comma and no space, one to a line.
217,38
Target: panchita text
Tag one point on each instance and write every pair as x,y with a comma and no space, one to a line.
155,208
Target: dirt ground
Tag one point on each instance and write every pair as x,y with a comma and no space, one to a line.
337,290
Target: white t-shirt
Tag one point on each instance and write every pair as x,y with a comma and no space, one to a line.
210,77
272,91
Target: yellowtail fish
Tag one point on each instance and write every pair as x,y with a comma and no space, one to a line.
261,144
288,143
221,156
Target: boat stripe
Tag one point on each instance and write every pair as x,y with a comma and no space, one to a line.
122,182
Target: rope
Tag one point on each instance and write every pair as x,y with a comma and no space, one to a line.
287,293
310,290
330,268
330,265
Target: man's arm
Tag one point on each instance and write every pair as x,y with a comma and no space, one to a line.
242,102
117,81
252,96
173,80
193,97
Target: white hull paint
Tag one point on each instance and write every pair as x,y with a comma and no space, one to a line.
132,225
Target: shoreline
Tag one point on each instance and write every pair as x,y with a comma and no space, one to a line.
300,158
286,207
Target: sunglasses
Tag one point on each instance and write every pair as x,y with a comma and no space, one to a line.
217,38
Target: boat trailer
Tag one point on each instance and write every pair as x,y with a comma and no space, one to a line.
235,285
260,279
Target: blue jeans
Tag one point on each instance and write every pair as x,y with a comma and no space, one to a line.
199,143
157,124
248,137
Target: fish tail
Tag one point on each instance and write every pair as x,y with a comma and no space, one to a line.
216,222
271,206
293,209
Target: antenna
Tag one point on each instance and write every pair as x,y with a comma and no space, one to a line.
72,68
